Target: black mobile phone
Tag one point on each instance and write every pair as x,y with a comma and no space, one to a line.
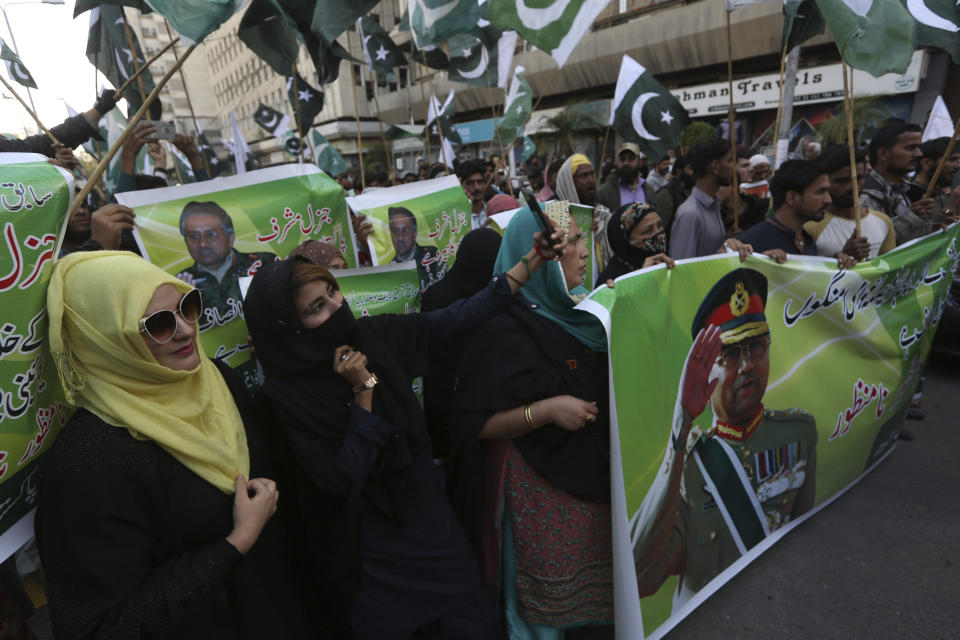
538,213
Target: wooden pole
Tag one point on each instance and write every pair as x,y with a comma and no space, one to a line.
496,131
6,84
296,96
146,65
102,166
133,54
776,125
603,146
193,116
383,136
848,108
443,149
356,113
426,113
735,194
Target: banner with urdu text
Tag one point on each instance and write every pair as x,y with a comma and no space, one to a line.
746,396
34,197
213,233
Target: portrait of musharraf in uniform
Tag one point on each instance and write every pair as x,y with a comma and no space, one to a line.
207,231
721,491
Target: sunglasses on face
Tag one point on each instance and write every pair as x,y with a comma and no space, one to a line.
161,326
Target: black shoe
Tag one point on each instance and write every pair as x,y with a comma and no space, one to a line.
915,413
905,435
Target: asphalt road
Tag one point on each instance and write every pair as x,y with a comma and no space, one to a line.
881,561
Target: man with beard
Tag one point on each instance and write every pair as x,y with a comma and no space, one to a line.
698,229
473,179
801,193
895,152
836,232
403,234
946,205
626,186
721,491
102,229
677,190
207,232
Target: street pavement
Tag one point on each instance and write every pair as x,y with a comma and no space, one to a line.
880,562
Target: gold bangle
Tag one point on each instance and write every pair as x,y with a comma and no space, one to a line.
528,415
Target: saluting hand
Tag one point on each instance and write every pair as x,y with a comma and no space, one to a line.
696,387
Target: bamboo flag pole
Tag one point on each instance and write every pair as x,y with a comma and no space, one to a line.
426,113
936,174
848,108
296,96
356,113
443,148
6,84
776,124
133,54
496,131
102,166
193,116
146,65
735,192
383,136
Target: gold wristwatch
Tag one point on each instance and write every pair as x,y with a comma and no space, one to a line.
370,383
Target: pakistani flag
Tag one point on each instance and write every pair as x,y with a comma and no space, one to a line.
309,99
555,26
433,22
644,112
379,51
431,57
291,143
801,21
15,68
272,121
238,147
183,169
444,118
332,17
517,109
327,157
108,49
206,150
267,32
872,35
938,25
112,126
482,57
194,20
86,5
529,148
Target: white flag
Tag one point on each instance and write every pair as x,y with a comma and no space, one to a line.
939,125
239,146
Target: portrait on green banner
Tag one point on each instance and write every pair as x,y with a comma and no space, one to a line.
34,198
747,395
420,222
211,234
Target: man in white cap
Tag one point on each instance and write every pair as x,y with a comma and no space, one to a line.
759,171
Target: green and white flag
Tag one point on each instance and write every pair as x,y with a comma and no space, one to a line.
332,17
86,5
872,35
108,49
529,148
554,27
433,22
15,68
443,116
206,150
517,109
272,121
645,112
238,146
801,21
291,143
429,56
310,102
938,25
482,57
194,20
183,169
326,156
266,30
379,51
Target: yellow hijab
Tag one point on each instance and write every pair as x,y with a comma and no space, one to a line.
95,302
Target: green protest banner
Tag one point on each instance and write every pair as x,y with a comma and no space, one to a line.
421,222
814,369
212,233
34,196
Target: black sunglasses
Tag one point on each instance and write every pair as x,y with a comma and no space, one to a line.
161,326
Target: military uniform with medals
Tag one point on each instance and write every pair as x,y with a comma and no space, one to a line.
221,299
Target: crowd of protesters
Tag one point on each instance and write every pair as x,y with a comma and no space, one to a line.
331,503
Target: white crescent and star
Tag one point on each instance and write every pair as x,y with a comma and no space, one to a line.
924,15
382,52
271,121
19,72
481,67
636,115
539,17
305,95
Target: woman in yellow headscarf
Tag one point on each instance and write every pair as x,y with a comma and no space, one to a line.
147,524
